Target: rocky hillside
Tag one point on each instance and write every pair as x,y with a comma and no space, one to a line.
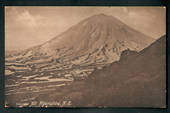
137,80
94,42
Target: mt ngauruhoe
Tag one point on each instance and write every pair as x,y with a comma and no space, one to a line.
72,56
97,39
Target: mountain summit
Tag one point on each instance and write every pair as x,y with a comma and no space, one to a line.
99,38
95,41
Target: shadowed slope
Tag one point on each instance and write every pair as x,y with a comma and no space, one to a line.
137,80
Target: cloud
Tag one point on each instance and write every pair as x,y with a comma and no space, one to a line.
18,17
29,20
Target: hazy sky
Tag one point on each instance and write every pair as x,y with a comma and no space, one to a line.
28,26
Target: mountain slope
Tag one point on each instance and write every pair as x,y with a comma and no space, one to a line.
92,36
137,80
96,42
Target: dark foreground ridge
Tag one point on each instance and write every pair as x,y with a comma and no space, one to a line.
137,80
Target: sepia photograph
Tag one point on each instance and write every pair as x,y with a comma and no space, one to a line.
58,56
